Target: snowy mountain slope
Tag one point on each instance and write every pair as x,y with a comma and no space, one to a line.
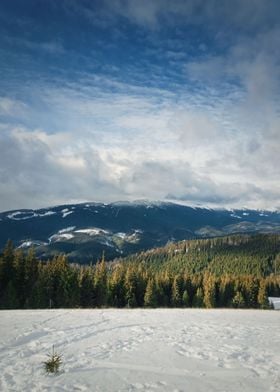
84,231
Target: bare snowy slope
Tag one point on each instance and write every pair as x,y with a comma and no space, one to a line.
141,350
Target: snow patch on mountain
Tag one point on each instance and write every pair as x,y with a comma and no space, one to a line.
65,212
121,235
14,215
28,244
67,229
92,231
47,213
23,215
131,236
107,242
236,216
60,237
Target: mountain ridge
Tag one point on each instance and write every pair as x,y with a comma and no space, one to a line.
83,231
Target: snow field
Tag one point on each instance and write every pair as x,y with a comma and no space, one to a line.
141,350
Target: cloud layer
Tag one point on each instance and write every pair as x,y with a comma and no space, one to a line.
141,100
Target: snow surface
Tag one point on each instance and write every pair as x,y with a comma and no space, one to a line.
17,215
92,231
65,212
28,215
132,237
121,235
47,213
236,216
66,230
141,350
61,237
28,244
275,301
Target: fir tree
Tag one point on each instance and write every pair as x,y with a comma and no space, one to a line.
250,289
86,288
185,299
10,299
150,299
30,275
116,287
19,277
238,300
131,287
198,298
100,283
176,291
262,296
6,266
209,288
226,292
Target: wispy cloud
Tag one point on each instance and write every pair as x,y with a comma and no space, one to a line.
189,112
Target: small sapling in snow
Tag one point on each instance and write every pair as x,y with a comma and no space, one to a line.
52,365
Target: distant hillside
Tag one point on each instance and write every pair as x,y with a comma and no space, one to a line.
84,231
257,255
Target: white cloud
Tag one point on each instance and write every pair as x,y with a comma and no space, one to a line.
243,15
11,107
210,138
111,146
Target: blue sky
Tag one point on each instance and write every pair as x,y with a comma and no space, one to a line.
127,99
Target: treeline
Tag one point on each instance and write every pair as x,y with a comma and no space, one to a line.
26,282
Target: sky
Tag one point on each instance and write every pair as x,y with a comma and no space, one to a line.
109,100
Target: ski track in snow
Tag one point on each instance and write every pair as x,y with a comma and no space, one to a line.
141,350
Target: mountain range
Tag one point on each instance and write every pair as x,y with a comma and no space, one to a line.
84,231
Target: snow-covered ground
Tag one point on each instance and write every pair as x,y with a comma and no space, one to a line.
275,301
141,350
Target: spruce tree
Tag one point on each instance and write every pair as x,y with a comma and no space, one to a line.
176,299
131,287
100,283
150,299
10,300
226,292
6,266
250,288
185,299
198,298
31,275
209,288
238,300
117,287
86,288
262,296
19,277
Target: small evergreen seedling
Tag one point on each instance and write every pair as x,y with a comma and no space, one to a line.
52,365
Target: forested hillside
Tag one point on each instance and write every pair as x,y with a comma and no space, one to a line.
236,255
234,271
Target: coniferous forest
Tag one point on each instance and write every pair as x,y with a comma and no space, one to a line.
234,271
